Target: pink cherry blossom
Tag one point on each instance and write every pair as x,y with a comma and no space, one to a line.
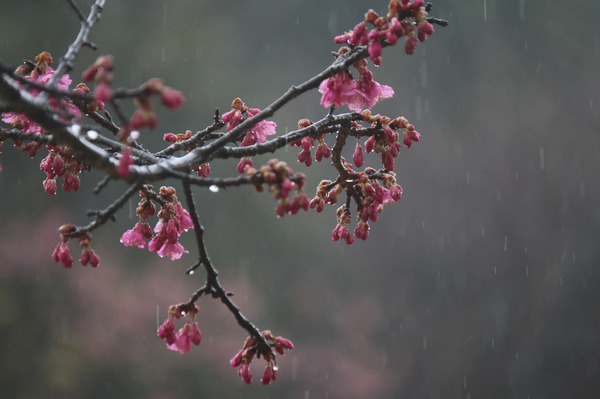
137,235
182,342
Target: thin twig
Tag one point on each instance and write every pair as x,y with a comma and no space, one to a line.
213,286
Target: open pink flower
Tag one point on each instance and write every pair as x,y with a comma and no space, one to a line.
137,235
338,90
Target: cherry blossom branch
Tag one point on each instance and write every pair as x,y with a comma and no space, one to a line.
37,102
66,63
213,286
202,154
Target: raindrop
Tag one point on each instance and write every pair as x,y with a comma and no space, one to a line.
214,188
92,134
75,129
505,243
495,271
135,134
542,158
483,231
522,9
191,272
582,189
465,381
591,104
418,107
162,54
332,24
526,270
468,178
424,342
561,282
493,343
423,71
485,10
305,394
517,355
516,175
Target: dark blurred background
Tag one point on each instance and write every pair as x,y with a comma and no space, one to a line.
482,282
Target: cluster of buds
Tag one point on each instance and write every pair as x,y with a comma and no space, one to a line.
256,134
61,252
141,231
341,89
144,115
388,142
86,105
327,193
341,229
250,349
173,220
41,73
373,196
282,182
101,73
308,143
203,170
182,340
60,163
404,18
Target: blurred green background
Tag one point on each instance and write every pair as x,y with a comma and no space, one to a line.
482,282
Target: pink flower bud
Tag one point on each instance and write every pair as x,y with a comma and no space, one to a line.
245,373
195,335
103,92
171,98
61,254
124,163
50,186
170,137
358,156
375,50
237,359
410,45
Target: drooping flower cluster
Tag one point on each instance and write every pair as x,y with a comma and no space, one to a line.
341,89
60,163
61,252
144,116
182,340
405,18
141,231
370,189
173,220
282,182
249,350
256,134
307,144
389,143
